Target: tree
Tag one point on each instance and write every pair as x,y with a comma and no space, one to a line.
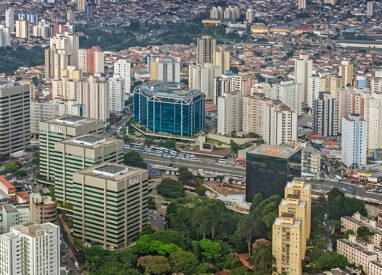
328,261
169,143
184,174
170,188
21,173
364,233
207,216
246,230
12,167
234,147
348,232
158,265
263,259
201,190
134,159
184,262
206,268
211,250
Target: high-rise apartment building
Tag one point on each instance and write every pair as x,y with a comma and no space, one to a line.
223,84
299,189
313,89
206,50
15,118
269,168
22,28
216,12
376,82
354,139
289,93
10,19
116,93
302,4
117,212
243,82
98,105
230,113
291,229
5,36
310,162
58,129
302,72
91,60
222,58
42,209
253,107
32,249
370,8
250,16
346,71
81,152
325,115
165,69
279,123
14,215
231,12
64,48
123,68
202,76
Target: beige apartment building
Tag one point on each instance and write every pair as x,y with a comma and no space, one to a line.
253,107
357,220
58,129
291,230
42,209
81,152
362,254
287,240
110,204
222,58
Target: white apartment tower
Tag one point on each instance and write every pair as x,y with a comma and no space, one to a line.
5,36
289,93
10,19
202,76
302,72
222,84
123,69
31,249
279,124
313,89
230,113
116,86
354,139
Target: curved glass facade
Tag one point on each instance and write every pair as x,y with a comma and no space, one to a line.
169,108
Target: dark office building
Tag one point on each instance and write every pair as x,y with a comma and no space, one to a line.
269,168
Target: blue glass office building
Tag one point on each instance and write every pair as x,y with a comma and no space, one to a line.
169,108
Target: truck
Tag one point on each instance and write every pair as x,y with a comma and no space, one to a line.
338,178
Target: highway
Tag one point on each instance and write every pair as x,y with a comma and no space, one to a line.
205,164
349,189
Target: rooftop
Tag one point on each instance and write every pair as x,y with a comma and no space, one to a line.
111,171
71,119
89,140
168,89
273,151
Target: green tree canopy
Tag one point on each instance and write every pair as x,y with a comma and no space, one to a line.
246,230
170,188
184,262
158,265
12,167
211,250
184,174
169,143
364,233
134,159
263,259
